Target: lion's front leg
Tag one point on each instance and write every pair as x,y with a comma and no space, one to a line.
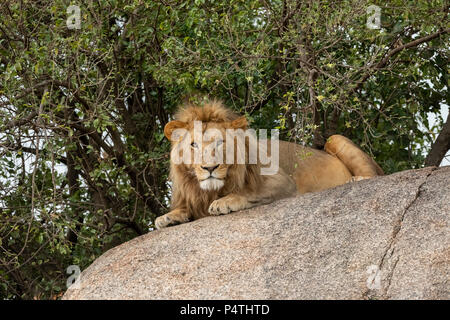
174,217
229,203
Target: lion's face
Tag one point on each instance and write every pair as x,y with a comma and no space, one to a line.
201,148
212,170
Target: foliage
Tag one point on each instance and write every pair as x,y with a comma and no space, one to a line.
83,163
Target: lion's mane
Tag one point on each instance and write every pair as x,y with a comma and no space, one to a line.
185,187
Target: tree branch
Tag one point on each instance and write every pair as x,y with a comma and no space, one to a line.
383,62
440,147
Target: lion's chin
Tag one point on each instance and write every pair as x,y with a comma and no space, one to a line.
211,184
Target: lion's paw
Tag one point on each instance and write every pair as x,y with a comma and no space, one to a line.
357,178
163,221
220,206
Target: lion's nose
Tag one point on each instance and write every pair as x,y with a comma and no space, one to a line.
210,169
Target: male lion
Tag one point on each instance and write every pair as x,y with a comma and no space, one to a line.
210,186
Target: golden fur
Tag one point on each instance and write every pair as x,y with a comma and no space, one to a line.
207,188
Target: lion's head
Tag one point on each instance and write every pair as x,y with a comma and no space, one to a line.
198,137
200,169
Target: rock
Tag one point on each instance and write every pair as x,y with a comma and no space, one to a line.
383,238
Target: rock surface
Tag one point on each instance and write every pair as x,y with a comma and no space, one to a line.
383,238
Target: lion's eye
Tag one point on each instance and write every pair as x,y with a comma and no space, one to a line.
194,145
219,142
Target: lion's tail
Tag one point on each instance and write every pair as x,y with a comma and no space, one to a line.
357,161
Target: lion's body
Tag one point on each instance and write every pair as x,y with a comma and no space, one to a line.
208,188
312,170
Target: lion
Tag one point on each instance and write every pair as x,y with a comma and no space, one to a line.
210,186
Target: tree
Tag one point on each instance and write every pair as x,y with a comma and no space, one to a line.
440,146
84,161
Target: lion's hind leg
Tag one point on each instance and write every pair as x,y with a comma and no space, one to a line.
360,164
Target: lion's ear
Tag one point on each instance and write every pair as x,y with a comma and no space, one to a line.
171,126
239,123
